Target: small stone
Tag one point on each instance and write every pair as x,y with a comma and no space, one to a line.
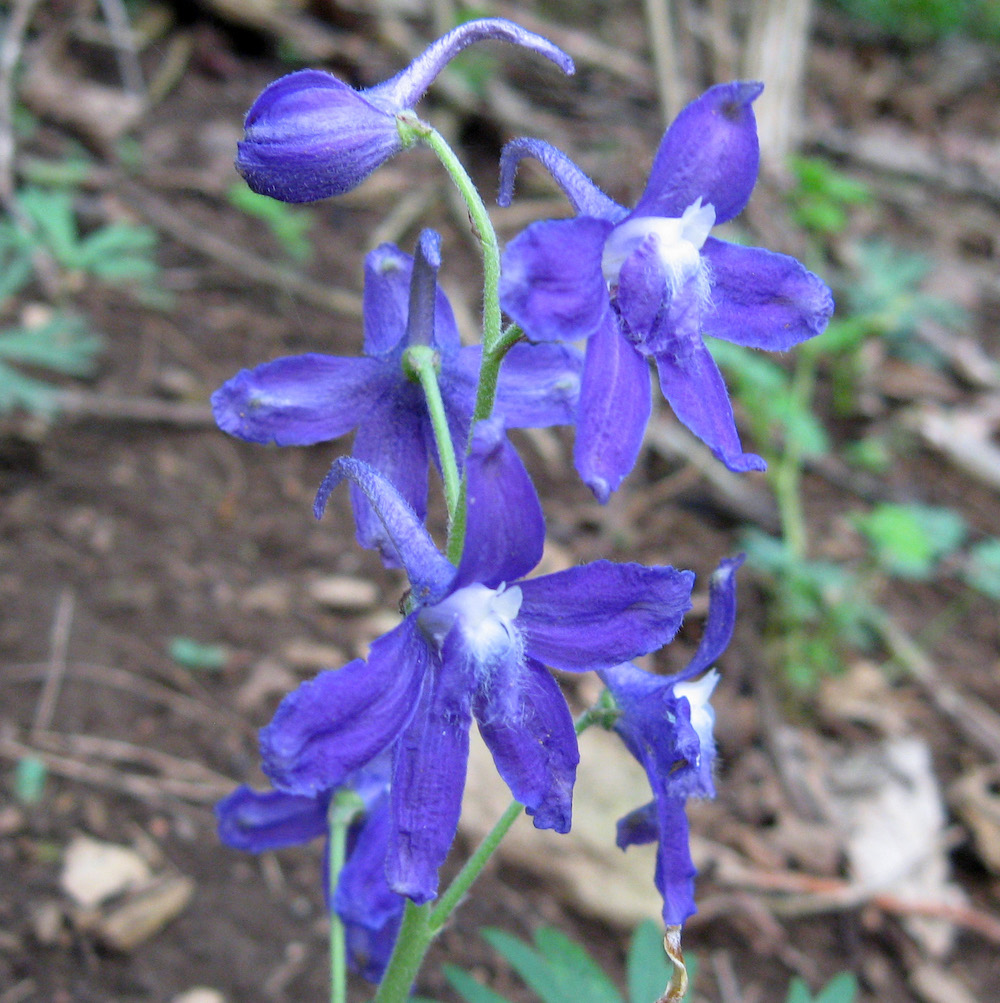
273,597
200,994
94,872
46,922
144,914
303,654
340,592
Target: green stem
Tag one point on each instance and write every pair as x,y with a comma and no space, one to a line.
412,128
411,945
423,362
344,808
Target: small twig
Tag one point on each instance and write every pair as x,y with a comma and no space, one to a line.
124,44
58,645
78,404
10,55
725,977
669,85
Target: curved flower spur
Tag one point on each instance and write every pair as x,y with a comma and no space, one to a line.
650,283
300,400
474,643
309,135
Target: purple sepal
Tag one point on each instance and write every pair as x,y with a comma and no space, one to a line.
309,136
710,151
298,400
761,299
338,722
255,821
505,528
551,280
408,86
695,390
615,402
597,615
429,572
531,736
584,196
675,870
638,827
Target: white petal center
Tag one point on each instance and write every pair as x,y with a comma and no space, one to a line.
484,616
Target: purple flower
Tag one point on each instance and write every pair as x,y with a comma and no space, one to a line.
650,283
255,821
303,399
309,135
666,723
474,643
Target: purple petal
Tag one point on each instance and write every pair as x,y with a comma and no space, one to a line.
761,299
720,621
638,827
298,400
424,289
406,88
710,151
675,870
393,442
428,571
337,722
597,615
389,275
533,742
505,528
429,777
695,390
368,950
585,197
256,821
615,403
551,282
310,136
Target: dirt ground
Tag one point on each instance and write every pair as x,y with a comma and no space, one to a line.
125,526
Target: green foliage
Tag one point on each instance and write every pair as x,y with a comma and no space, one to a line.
818,608
62,344
982,568
773,402
922,21
194,655
822,196
649,969
841,988
909,540
30,775
290,225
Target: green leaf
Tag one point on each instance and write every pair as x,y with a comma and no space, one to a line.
193,655
30,775
648,966
570,975
798,992
909,540
63,344
841,988
290,225
474,991
982,569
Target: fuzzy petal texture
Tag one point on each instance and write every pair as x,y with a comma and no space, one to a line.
615,403
710,151
505,528
533,743
585,197
309,136
299,400
338,722
761,299
255,821
695,390
598,615
551,281
429,572
428,780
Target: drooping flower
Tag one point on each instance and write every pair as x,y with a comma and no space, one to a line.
303,399
666,723
309,135
256,821
475,643
650,283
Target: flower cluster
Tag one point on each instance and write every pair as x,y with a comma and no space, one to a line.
479,631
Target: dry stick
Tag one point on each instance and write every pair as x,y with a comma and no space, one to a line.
58,645
669,85
124,44
77,404
166,218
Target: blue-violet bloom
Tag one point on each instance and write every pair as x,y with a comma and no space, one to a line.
650,283
303,399
666,723
474,643
256,821
309,135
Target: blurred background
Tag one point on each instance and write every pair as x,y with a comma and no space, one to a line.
162,585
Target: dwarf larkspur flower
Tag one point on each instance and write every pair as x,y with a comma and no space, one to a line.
650,283
303,399
666,723
309,135
474,644
256,821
